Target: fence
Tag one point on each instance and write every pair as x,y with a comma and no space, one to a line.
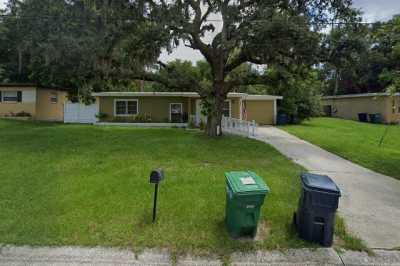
80,113
239,127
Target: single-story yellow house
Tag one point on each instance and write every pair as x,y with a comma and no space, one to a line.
349,106
179,107
30,100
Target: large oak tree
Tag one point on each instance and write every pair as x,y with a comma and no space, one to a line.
271,32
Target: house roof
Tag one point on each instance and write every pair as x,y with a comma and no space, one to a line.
259,97
30,85
18,85
359,95
244,96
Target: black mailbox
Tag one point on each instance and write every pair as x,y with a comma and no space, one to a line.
156,176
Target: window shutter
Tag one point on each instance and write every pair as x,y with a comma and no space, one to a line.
19,96
1,98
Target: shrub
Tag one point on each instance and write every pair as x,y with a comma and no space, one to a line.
23,114
128,119
147,118
140,119
191,124
202,125
301,94
101,115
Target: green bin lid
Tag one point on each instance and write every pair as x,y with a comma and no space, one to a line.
246,182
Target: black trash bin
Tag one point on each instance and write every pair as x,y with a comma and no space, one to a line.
282,119
363,117
315,217
375,118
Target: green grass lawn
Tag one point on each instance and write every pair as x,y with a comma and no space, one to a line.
358,142
86,185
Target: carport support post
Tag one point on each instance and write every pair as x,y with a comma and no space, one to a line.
155,202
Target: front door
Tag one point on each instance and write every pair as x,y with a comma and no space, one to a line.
176,112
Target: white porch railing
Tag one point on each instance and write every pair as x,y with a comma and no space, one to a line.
239,127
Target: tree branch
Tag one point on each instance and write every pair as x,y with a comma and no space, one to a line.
173,81
253,79
236,61
195,32
208,12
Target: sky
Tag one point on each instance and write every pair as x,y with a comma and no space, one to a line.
373,10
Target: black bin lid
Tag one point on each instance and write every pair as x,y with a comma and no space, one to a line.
319,183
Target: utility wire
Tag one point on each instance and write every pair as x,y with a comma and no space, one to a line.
206,20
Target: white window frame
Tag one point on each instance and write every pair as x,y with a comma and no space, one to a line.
230,107
7,101
126,100
170,109
53,95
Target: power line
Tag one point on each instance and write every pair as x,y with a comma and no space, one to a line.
94,18
25,17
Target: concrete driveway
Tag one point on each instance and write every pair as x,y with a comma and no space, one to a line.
370,201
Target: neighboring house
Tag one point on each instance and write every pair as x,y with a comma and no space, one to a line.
349,106
30,100
179,107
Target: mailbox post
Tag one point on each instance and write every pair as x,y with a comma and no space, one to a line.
156,177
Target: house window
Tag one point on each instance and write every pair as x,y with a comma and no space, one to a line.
12,96
126,107
226,110
53,97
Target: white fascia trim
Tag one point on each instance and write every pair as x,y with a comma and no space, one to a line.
236,95
144,94
243,96
379,94
251,97
125,100
155,94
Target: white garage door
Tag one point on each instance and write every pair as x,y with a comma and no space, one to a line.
80,113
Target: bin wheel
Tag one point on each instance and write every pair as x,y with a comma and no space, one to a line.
295,220
254,233
234,235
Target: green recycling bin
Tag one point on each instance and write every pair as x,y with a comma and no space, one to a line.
245,194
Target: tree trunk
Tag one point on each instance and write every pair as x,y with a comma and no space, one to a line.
337,78
213,126
214,115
